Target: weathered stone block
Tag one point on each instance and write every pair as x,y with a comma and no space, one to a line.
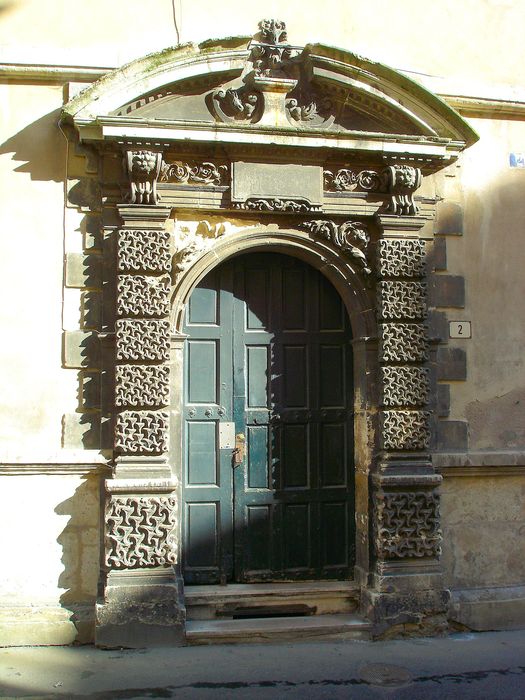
142,339
437,257
81,350
447,290
451,364
83,271
449,219
443,400
401,258
403,342
452,436
143,251
404,386
142,432
143,295
142,385
437,325
398,301
405,430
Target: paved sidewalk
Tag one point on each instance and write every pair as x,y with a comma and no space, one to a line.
489,666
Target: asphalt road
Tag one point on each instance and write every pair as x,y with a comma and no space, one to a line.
488,666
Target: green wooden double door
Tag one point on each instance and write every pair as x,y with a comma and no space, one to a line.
270,498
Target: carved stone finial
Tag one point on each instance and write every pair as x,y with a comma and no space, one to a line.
273,47
143,168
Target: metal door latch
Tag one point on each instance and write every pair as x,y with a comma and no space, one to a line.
240,448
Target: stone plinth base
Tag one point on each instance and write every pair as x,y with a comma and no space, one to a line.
141,609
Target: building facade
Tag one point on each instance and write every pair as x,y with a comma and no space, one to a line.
275,341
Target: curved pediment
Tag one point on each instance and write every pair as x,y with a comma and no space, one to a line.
264,90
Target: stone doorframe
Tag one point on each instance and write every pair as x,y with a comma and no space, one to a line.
351,208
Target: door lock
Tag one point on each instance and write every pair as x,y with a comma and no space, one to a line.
240,448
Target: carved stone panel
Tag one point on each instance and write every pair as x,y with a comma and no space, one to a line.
142,295
399,301
142,432
401,258
404,386
405,430
143,251
351,237
407,525
140,531
403,342
142,385
142,339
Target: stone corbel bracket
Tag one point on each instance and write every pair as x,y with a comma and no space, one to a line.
142,168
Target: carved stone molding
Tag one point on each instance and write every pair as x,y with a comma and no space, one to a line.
142,385
142,339
143,250
143,295
404,386
405,430
399,181
287,206
403,342
140,531
141,432
351,237
206,173
142,168
401,257
407,525
316,111
398,301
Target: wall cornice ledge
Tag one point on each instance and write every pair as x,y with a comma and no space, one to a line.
62,462
480,463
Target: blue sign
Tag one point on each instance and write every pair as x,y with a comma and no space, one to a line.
517,160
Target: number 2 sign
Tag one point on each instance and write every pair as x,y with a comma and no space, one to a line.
459,329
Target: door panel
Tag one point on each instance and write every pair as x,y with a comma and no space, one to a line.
269,348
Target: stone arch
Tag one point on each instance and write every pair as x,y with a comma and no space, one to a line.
302,148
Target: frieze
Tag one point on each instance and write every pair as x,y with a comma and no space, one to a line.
143,295
405,430
142,385
404,386
141,432
141,531
346,180
400,300
287,206
206,173
403,342
401,257
351,237
407,525
142,339
142,168
143,251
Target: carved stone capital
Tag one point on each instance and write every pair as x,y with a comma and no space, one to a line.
142,168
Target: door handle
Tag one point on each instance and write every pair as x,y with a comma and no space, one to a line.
240,449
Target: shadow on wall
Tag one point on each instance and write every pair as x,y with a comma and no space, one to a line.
41,147
80,542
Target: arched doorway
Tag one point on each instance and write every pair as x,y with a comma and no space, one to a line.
268,476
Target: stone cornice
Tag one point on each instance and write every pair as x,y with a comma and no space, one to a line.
480,463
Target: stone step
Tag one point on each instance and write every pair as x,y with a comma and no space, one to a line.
285,629
271,599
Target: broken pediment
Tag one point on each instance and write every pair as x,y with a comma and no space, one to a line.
276,92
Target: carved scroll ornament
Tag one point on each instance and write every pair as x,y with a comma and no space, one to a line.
399,181
407,525
293,206
351,237
273,47
236,104
142,168
194,173
140,531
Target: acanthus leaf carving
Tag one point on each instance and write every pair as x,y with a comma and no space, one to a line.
407,525
143,250
142,168
141,432
142,385
141,531
346,180
351,237
206,173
